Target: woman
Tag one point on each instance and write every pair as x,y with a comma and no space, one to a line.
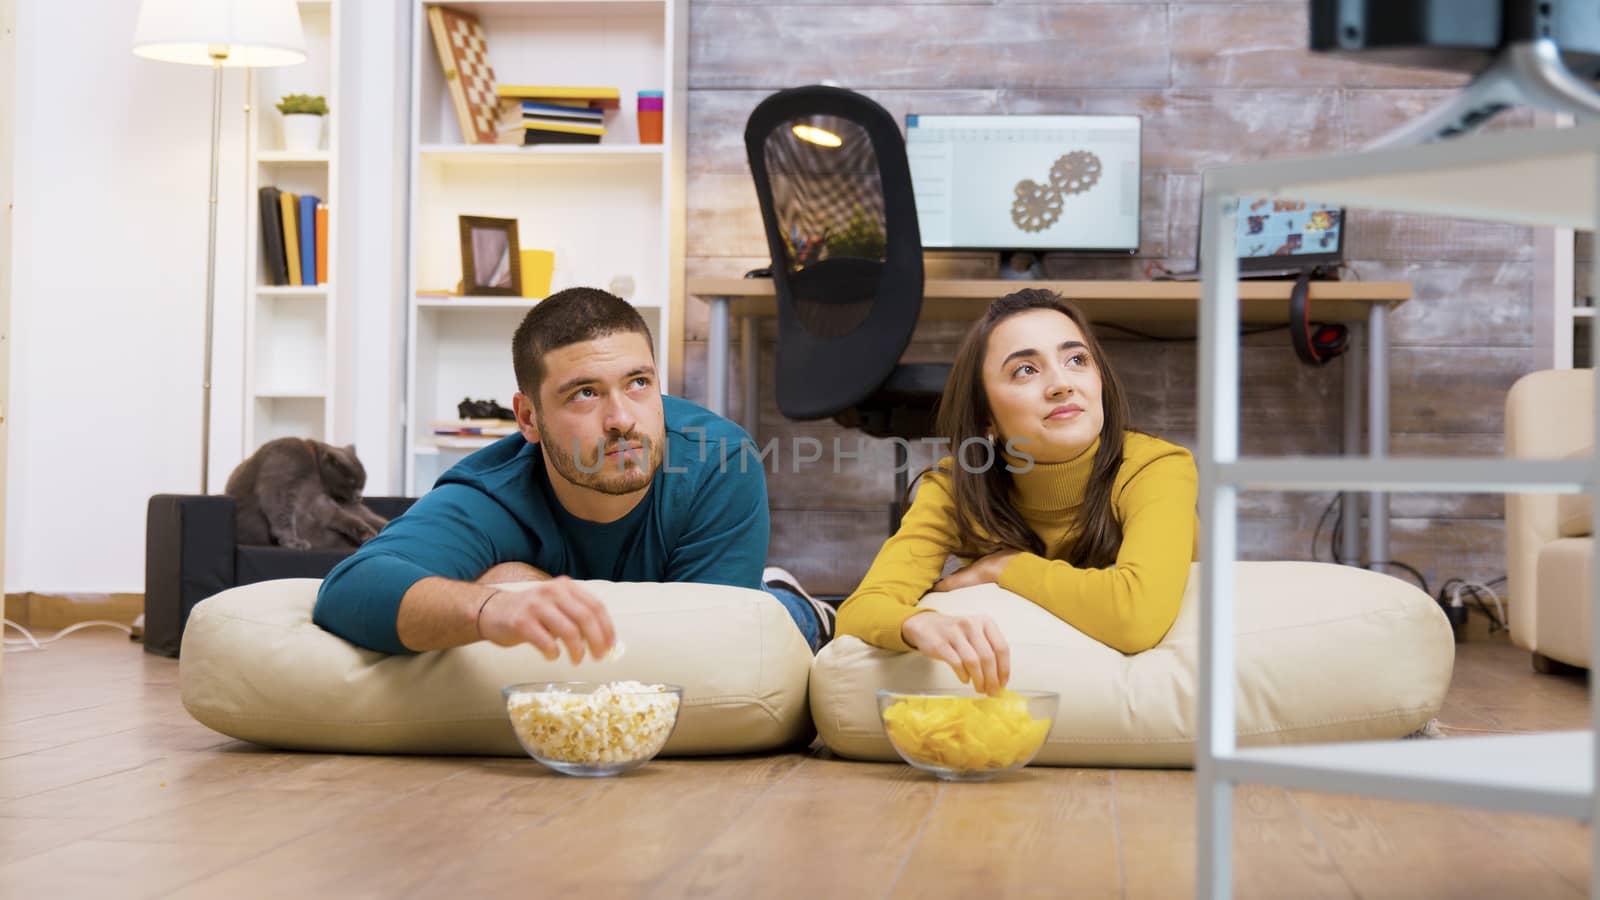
1048,495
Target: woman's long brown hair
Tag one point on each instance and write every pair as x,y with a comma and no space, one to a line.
986,520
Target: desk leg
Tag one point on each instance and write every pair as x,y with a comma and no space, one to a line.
750,366
1378,427
717,357
1354,402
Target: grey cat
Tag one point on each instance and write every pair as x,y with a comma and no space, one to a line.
302,494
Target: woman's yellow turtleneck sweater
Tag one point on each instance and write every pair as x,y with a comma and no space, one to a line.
1128,606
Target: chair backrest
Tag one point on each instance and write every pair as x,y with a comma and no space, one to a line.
834,186
1549,415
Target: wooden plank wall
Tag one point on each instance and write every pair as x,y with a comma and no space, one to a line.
1215,82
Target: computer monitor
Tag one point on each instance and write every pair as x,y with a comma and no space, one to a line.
1278,234
1025,182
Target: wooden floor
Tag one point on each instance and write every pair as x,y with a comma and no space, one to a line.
108,789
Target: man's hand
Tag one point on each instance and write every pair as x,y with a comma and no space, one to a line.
546,615
985,570
971,645
508,572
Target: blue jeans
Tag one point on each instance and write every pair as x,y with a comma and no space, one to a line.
805,618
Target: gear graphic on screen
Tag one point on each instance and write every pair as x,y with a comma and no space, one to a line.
1037,207
1076,172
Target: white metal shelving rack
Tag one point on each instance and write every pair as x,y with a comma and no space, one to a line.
1540,177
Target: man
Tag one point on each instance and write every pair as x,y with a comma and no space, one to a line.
607,479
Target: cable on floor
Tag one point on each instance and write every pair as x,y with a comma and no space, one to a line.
29,642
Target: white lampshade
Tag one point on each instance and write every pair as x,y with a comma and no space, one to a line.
254,33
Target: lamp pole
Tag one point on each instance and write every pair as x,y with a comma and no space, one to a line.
218,54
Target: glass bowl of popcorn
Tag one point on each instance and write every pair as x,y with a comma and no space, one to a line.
962,736
593,728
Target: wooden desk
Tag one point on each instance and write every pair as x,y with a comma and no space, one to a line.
1134,303
1155,306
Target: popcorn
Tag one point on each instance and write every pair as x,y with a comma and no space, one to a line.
618,722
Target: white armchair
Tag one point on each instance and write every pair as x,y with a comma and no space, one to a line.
1549,544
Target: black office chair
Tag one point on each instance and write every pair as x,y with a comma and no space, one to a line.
835,191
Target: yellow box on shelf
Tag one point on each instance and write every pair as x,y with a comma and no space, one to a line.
538,266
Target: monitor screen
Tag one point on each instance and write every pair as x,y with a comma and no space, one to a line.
1029,182
1282,233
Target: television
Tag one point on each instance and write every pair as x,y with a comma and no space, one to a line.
1280,234
1025,182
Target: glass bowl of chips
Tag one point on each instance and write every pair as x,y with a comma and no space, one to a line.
593,728
962,736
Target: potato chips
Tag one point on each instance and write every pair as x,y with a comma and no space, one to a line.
967,733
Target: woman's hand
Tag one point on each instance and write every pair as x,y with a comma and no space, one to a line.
986,570
971,645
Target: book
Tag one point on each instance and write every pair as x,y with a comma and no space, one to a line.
518,134
308,239
509,134
566,127
568,104
288,203
322,243
531,137
544,124
581,127
483,427
275,266
513,111
597,97
466,71
462,442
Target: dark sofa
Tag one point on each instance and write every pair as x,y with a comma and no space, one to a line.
190,554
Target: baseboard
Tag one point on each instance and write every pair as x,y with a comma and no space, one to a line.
52,612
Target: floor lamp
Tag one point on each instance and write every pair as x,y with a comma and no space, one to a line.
218,33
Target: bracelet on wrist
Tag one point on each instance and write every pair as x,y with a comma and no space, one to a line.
477,621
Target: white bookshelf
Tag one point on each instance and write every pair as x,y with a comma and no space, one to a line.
610,211
1543,177
290,330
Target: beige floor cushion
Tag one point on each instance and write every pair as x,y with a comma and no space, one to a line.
1325,653
254,667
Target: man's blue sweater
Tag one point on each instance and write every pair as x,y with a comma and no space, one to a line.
704,520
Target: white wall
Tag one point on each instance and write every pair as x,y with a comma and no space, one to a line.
374,66
108,294
8,57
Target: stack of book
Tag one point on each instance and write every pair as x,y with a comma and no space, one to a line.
552,114
471,433
294,238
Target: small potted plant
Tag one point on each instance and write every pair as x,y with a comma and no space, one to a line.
302,122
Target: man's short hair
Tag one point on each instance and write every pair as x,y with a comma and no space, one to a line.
568,317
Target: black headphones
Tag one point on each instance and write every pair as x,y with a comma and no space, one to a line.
1314,343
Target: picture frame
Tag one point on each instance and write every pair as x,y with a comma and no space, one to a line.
491,260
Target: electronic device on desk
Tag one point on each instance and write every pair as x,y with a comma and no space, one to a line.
1279,237
1282,238
1025,183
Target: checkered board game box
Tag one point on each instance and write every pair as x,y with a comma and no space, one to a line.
465,56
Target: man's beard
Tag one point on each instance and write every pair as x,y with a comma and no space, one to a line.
615,476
